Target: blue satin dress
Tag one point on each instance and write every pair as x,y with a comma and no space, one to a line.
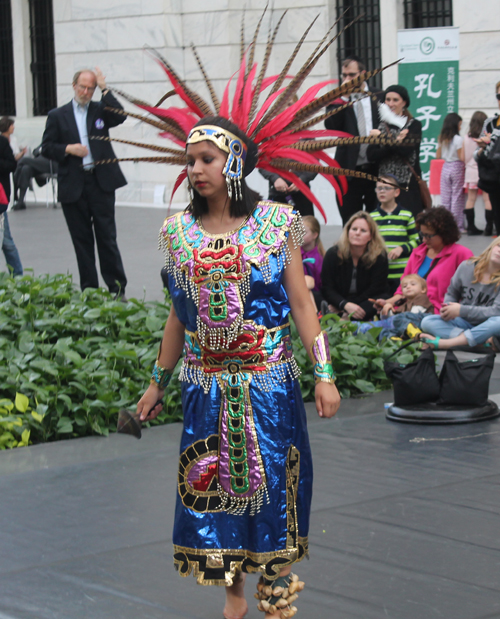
245,469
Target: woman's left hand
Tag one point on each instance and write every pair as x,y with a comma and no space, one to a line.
327,399
450,311
403,133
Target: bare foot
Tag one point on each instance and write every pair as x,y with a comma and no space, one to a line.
236,606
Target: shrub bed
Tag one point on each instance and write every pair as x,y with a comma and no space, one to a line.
70,360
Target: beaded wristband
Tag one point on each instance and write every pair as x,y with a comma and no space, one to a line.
161,376
320,353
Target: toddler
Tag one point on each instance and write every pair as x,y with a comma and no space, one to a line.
411,308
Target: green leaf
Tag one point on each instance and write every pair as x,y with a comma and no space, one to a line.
364,386
21,402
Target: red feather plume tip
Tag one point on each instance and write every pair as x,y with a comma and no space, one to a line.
280,126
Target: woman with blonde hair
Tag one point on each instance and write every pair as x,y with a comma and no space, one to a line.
470,314
356,269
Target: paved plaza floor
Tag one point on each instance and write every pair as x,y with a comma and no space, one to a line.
404,520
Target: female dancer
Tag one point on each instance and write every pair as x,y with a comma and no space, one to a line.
235,273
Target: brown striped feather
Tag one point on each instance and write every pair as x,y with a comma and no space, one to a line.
211,90
163,126
263,69
160,149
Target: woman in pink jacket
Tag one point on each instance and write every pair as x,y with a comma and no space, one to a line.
437,259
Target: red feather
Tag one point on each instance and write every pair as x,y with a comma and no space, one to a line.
185,119
170,136
177,184
238,93
180,91
267,103
246,102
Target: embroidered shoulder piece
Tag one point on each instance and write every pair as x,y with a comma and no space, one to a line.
191,253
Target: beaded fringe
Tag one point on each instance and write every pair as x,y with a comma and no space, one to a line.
265,381
237,506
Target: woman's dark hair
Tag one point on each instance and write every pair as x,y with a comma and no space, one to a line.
476,124
450,127
442,222
237,208
5,124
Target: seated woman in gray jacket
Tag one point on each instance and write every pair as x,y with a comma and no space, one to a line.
470,314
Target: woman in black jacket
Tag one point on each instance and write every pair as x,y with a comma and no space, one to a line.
399,159
487,156
355,269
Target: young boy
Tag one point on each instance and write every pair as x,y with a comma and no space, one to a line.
411,308
397,227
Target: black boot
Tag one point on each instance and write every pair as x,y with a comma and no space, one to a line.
488,231
471,228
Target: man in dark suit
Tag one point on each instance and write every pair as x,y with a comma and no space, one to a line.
87,191
357,119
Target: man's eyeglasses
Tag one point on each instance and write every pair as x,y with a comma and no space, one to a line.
351,75
427,235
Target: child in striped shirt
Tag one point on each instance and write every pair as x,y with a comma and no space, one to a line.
397,227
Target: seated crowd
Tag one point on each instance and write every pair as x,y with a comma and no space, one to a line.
404,275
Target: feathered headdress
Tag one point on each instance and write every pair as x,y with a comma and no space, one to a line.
280,128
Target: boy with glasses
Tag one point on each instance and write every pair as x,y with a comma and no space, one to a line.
397,227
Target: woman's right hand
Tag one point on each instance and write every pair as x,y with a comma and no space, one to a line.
146,406
374,133
280,185
358,313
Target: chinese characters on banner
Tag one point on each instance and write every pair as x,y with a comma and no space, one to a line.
429,70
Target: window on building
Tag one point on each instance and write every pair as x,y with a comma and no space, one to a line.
7,92
428,13
362,39
43,63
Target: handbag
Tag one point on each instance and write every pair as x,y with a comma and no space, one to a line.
416,382
465,382
4,201
425,194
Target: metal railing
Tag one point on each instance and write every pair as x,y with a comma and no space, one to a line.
428,13
7,90
362,39
43,62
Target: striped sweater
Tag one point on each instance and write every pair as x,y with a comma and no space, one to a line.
397,228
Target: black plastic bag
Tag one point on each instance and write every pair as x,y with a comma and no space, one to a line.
414,383
465,382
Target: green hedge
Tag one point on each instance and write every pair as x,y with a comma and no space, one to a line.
70,360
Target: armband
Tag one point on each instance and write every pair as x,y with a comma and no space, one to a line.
320,353
160,376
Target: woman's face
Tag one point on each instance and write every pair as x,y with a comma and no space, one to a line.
431,239
395,102
205,163
359,233
495,255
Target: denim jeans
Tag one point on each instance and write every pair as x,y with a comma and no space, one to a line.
447,329
392,326
10,250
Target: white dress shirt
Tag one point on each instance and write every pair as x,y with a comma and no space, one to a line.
80,112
